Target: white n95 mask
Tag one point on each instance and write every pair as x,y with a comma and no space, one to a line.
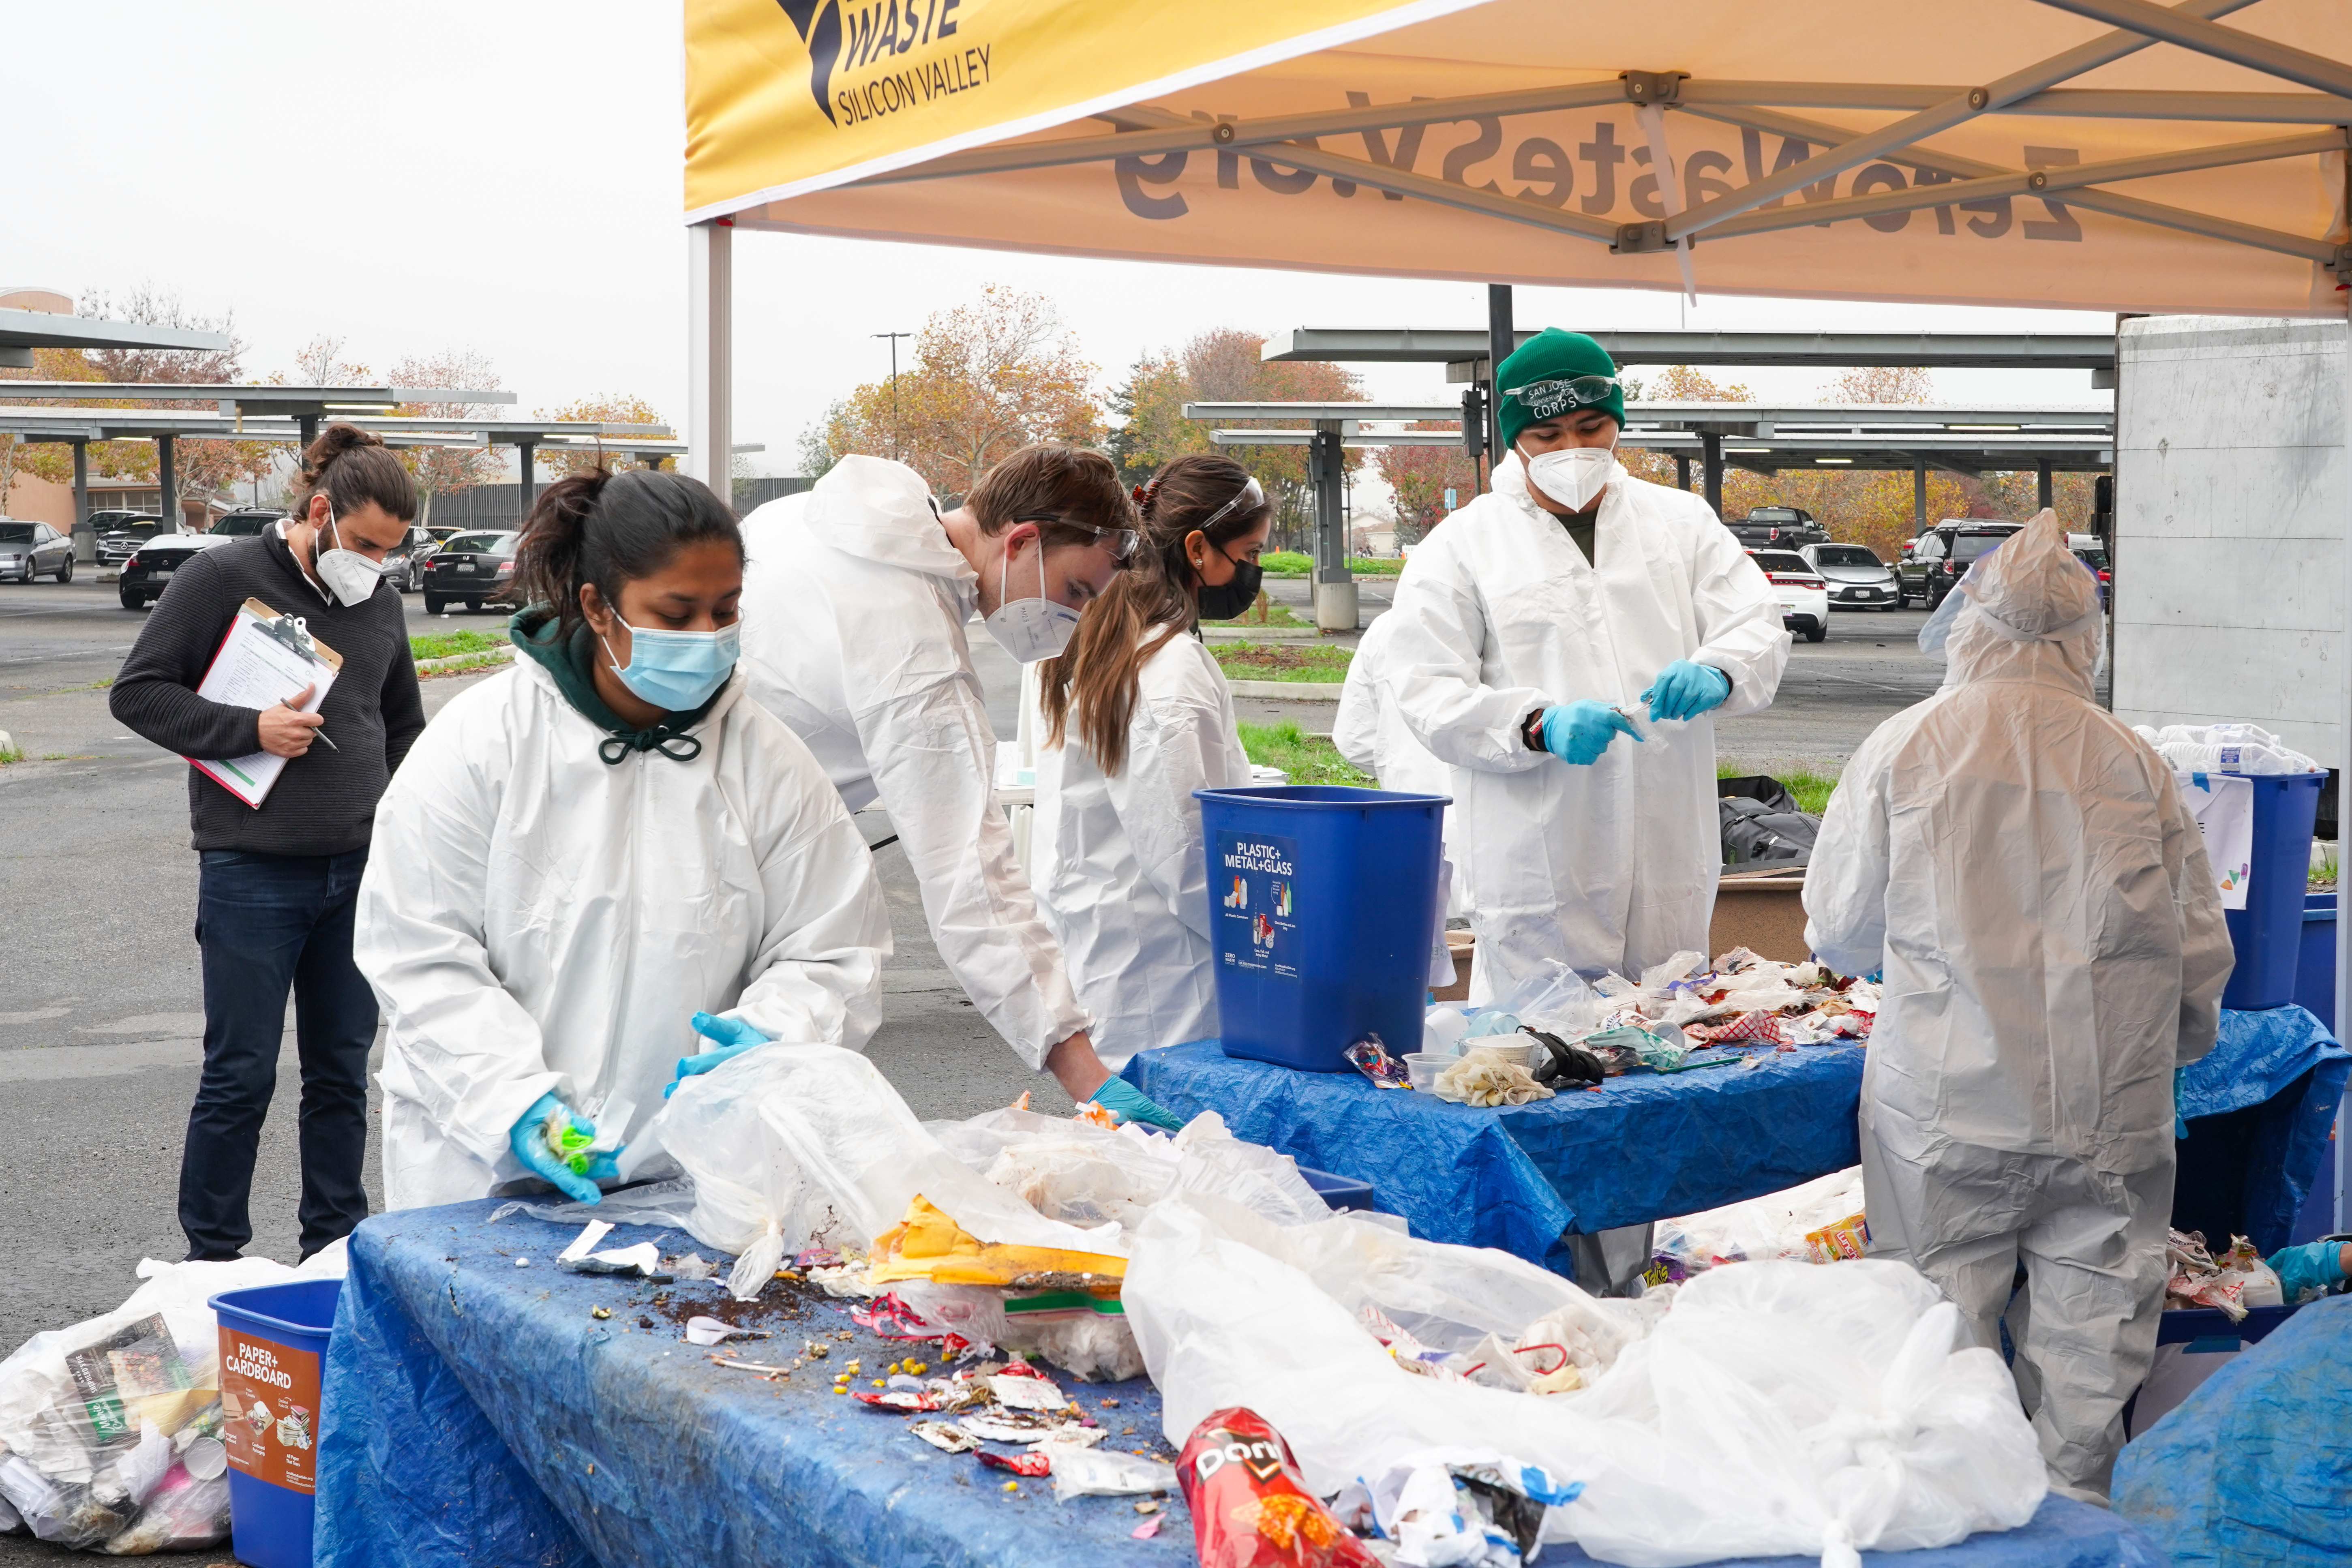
351,576
1033,629
1574,475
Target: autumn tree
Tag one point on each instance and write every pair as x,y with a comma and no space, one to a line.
1419,476
986,379
1222,365
609,408
439,469
1881,383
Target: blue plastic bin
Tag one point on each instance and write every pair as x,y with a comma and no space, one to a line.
1324,901
273,1350
2314,965
1340,1192
2268,933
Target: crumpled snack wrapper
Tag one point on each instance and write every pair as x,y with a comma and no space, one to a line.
1489,1076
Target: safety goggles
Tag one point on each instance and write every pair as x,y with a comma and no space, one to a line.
1252,496
1123,542
1545,398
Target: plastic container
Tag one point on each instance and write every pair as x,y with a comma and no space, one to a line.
273,1348
2315,964
1325,904
1424,1067
2268,933
1340,1192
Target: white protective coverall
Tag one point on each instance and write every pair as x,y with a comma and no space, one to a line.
1370,731
1614,866
854,611
2024,869
535,920
1122,876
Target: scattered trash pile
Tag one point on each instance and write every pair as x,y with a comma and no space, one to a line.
1777,1408
2225,748
111,1431
2236,1281
1818,1222
1555,1032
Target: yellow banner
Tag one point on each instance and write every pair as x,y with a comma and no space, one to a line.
787,97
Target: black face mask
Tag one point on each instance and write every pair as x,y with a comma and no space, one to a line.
1224,601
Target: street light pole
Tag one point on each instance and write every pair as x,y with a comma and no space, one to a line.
897,444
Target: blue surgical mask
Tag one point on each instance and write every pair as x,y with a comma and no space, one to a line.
678,671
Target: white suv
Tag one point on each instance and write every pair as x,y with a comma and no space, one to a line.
1804,596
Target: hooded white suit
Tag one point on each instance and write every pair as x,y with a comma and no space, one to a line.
1612,865
854,606
2023,868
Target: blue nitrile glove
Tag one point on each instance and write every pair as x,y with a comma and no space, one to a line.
1686,690
1580,731
734,1037
2299,1269
529,1140
1128,1103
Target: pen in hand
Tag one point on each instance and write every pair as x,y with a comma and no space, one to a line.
319,734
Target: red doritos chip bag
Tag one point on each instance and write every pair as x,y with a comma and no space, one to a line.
1250,1509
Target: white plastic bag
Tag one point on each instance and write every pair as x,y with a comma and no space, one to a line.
1777,1408
793,1146
1096,1472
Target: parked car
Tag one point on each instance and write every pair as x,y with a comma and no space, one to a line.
2093,557
1804,596
1857,578
149,571
405,566
246,521
475,569
1778,527
30,550
117,533
1938,556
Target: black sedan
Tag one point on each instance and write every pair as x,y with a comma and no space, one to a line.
148,572
121,532
474,570
30,550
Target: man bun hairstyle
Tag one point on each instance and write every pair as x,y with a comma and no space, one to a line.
1049,480
351,468
610,529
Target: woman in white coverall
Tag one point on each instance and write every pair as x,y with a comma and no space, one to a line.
586,851
2024,869
1137,717
1528,624
855,606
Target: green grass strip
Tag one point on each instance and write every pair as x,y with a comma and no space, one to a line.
1307,759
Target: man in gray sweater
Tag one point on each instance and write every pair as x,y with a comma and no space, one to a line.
278,882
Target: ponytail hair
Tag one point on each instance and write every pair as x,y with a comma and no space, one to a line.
1094,684
351,468
612,529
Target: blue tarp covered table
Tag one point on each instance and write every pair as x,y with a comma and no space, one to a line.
2255,1467
476,1413
2260,1106
1646,1146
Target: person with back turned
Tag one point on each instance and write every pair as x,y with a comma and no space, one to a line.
278,882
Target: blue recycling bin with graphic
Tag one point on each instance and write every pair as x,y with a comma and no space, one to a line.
2268,933
1323,902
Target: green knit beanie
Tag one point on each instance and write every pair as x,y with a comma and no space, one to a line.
1531,383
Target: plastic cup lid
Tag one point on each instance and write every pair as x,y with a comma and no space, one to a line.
206,1458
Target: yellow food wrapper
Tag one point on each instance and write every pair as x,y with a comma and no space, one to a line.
928,1244
1848,1237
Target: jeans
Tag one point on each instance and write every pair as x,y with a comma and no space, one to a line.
265,923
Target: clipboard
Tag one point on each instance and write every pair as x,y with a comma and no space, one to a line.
264,659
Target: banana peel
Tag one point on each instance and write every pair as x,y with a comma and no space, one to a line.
930,1244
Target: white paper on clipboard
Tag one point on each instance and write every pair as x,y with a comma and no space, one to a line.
2223,805
255,669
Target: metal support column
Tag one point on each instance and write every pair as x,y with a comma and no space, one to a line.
709,355
307,424
2042,487
1918,498
171,507
85,538
1502,341
1713,445
526,454
1681,472
1334,587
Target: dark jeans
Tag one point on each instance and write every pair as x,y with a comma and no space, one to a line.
267,922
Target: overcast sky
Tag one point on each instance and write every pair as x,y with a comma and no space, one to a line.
504,175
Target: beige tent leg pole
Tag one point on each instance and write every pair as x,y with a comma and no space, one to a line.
710,355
